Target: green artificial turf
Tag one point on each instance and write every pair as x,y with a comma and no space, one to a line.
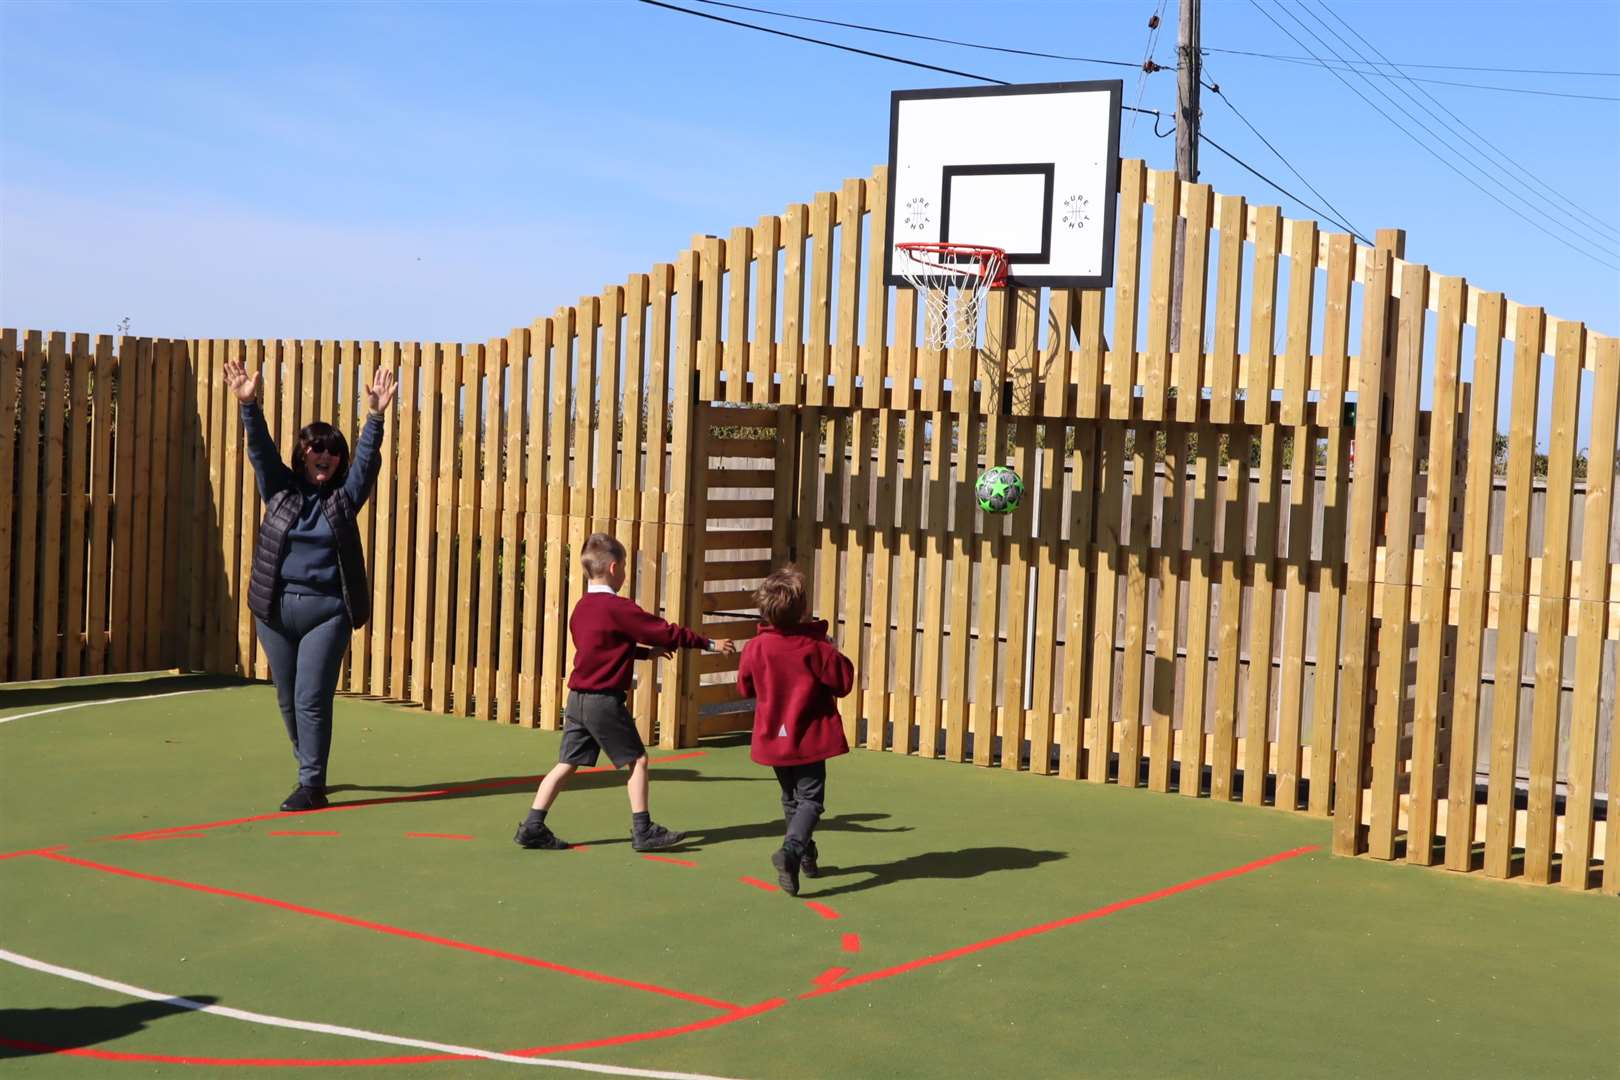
1312,966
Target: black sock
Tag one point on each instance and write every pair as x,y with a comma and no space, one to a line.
536,817
641,821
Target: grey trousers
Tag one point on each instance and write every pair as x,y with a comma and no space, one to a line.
305,640
804,797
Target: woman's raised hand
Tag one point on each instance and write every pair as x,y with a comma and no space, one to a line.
240,383
381,391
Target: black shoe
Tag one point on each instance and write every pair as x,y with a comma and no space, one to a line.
304,798
807,862
787,870
655,838
537,837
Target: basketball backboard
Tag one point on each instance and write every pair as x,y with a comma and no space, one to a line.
1032,169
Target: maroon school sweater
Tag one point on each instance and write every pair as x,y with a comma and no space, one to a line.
794,674
607,628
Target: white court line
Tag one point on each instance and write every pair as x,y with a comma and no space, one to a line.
336,1029
106,701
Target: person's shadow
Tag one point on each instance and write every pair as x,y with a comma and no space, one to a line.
948,865
27,1032
698,839
506,785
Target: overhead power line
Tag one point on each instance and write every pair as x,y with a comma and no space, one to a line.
1420,142
1346,65
1438,67
846,48
920,37
1498,152
1203,138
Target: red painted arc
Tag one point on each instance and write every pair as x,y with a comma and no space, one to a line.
739,1013
397,931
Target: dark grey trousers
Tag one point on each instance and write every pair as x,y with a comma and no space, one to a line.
804,797
305,639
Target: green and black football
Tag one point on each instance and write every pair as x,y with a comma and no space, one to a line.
1000,490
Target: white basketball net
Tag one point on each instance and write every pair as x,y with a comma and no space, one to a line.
953,280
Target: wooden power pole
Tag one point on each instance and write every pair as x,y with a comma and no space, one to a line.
1188,84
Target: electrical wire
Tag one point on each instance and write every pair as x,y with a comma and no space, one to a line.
849,48
1426,147
1342,220
1278,187
1155,113
1499,152
920,37
1561,221
1441,67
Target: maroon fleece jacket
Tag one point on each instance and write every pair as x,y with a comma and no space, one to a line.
607,628
794,674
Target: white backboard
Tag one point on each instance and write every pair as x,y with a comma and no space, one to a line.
1032,169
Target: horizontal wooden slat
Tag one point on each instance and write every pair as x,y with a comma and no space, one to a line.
738,630
735,600
737,539
737,570
742,448
715,663
725,723
717,694
740,509
740,478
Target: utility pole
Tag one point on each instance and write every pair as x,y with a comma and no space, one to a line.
1188,84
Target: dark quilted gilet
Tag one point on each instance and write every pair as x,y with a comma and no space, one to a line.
279,515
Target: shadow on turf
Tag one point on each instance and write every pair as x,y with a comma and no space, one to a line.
698,839
69,1029
73,693
938,865
507,785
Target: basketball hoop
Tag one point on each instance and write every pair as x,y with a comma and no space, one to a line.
953,280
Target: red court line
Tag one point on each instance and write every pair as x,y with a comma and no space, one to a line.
852,943
741,1013
30,851
822,909
756,883
168,836
396,931
830,976
439,835
1043,928
668,859
360,804
276,832
738,1013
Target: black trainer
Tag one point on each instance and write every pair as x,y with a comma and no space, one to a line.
538,837
787,865
807,862
655,838
304,798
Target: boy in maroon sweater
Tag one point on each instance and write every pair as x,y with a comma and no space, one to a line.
610,633
794,673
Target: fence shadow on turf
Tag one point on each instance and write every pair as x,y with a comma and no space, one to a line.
936,865
72,693
27,1032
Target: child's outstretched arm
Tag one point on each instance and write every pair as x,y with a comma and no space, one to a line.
649,629
832,668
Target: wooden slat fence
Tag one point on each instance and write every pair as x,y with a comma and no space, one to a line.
1349,549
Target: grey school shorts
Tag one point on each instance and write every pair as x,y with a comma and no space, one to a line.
599,722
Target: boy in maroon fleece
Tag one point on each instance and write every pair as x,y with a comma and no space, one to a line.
610,633
794,673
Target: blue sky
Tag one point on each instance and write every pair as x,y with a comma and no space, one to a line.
445,172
